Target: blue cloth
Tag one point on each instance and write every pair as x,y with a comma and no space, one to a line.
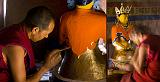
83,2
96,5
71,4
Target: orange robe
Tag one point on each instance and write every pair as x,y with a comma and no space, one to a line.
81,29
118,28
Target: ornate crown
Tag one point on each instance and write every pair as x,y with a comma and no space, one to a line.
122,9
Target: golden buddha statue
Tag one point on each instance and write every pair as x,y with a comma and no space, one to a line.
120,35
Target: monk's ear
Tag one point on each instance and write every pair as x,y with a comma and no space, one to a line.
35,30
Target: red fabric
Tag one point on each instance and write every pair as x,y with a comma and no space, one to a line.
81,27
152,72
14,35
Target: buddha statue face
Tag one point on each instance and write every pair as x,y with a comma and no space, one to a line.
123,18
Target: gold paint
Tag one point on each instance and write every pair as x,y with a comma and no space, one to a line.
123,49
124,54
91,65
123,18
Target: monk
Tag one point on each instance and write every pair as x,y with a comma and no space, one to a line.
146,60
16,54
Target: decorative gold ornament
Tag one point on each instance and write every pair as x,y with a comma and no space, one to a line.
122,9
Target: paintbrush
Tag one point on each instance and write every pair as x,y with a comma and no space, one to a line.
64,49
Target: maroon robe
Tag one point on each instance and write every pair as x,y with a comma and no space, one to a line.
151,72
15,35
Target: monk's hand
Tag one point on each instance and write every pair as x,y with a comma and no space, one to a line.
53,58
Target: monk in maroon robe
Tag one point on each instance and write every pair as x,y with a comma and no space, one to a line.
16,54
